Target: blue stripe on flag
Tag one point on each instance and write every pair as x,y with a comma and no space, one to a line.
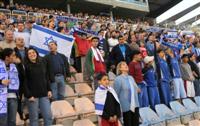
99,107
40,50
37,27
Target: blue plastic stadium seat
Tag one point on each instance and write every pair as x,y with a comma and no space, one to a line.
197,100
165,113
185,114
189,104
149,117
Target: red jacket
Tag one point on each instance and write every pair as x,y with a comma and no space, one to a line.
82,44
99,67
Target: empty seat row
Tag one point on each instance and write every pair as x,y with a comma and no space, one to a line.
83,108
80,89
177,115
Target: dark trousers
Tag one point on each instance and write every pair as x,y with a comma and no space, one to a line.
131,118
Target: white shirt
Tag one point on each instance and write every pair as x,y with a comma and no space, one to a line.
112,42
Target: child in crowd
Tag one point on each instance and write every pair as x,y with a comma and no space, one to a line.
151,80
187,76
107,105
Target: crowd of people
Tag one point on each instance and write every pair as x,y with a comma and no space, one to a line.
147,67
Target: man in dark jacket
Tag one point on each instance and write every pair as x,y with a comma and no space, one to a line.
120,52
58,71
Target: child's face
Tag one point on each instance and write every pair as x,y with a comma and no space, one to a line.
104,81
185,60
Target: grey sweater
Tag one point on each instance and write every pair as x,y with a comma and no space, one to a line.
186,72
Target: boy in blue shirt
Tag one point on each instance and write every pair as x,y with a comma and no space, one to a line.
150,79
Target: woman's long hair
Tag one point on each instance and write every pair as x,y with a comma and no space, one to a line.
27,60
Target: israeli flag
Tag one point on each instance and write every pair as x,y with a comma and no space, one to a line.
41,36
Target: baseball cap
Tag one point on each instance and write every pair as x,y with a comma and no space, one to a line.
148,59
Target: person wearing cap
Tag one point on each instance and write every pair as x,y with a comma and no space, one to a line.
172,60
120,52
150,78
187,76
20,33
94,60
196,73
135,70
58,66
164,78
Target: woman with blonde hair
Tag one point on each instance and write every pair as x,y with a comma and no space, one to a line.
127,91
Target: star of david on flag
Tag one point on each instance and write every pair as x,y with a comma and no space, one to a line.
48,39
41,36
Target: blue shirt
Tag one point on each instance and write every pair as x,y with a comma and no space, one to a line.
123,49
165,73
150,48
150,77
22,53
58,64
176,72
122,88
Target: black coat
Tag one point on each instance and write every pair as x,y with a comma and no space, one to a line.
116,55
50,66
37,83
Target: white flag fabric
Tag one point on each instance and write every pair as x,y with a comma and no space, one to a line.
41,36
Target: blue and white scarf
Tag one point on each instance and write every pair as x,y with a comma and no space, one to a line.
13,77
3,89
100,98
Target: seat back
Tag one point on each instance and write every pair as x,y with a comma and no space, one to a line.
189,104
83,88
79,77
148,115
84,105
163,111
177,107
62,109
69,91
197,100
194,123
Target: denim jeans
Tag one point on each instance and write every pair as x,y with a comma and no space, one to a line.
143,95
12,111
43,104
58,88
3,120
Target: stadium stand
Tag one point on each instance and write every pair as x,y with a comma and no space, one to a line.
80,104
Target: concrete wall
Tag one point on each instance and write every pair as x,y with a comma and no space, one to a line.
117,3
